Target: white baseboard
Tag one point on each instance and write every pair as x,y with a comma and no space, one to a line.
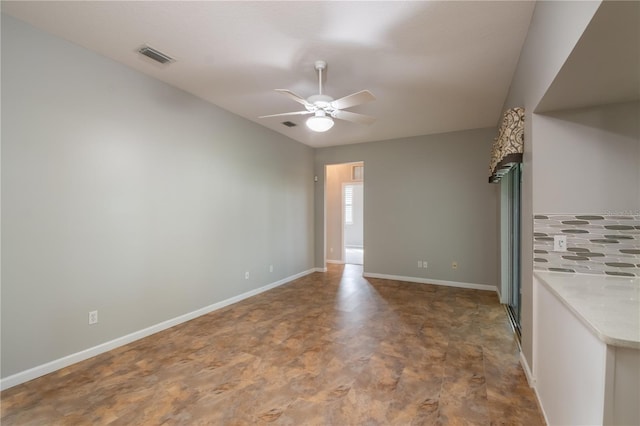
320,269
50,367
431,281
337,262
532,384
527,371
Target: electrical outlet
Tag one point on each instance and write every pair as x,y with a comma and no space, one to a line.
270,268
246,275
420,264
454,265
424,264
559,243
93,317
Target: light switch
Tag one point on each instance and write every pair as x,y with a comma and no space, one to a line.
559,243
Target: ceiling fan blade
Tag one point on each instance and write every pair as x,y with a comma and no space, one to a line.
293,96
354,117
287,113
353,99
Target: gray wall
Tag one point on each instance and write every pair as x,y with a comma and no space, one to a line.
555,28
124,195
425,198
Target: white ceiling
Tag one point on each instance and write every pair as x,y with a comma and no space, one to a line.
434,66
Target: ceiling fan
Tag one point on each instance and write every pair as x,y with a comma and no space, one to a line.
324,108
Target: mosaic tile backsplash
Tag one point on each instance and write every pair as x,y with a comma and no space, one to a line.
596,244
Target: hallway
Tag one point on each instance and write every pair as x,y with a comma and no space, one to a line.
353,256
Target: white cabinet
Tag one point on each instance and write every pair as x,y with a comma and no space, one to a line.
580,379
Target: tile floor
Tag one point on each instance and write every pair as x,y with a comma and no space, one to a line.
327,349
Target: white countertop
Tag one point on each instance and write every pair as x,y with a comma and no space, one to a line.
608,305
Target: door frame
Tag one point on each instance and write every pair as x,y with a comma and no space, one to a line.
343,219
325,211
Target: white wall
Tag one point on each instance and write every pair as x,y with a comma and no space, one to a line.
124,195
425,198
353,232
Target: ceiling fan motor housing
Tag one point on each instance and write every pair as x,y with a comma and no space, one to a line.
325,108
320,101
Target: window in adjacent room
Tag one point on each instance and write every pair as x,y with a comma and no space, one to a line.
348,204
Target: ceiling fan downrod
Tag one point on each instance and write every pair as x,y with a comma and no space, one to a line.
320,65
324,108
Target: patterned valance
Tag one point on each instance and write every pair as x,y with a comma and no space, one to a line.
508,146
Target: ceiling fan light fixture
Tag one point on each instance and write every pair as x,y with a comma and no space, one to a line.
319,122
324,108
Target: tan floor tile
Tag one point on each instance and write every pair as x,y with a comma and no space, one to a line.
349,351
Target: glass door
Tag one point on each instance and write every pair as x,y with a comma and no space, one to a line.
513,180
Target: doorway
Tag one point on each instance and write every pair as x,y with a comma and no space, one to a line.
344,213
353,223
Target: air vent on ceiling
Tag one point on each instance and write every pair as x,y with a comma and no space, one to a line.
289,123
157,56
